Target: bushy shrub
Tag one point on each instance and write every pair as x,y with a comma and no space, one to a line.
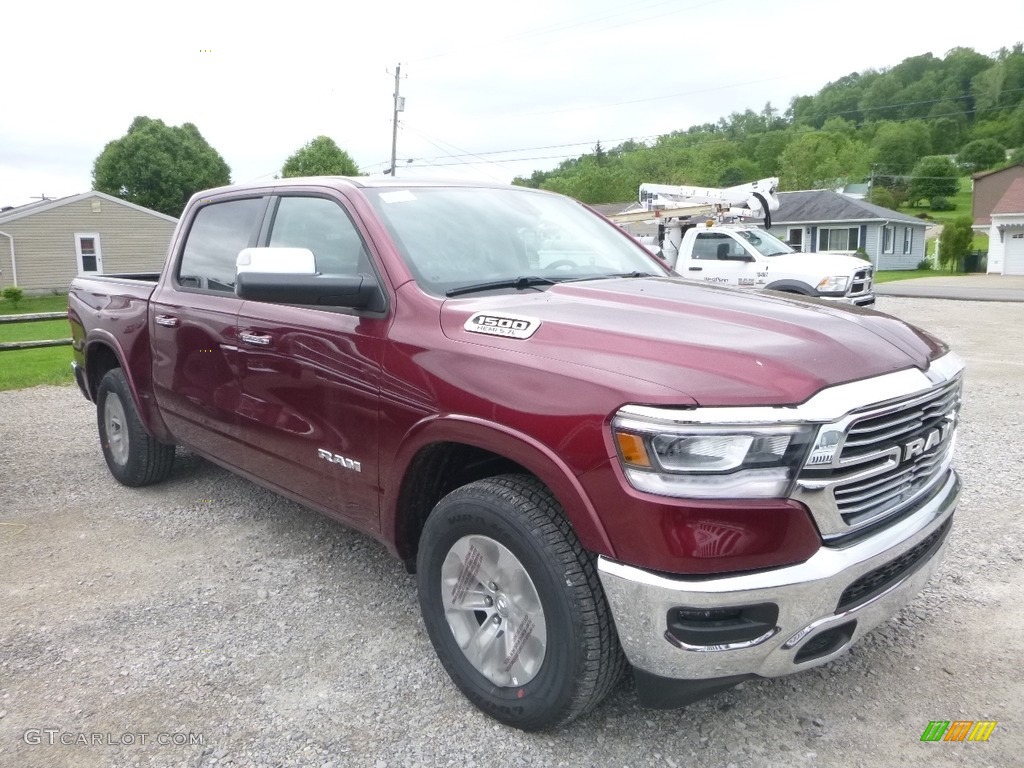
925,264
940,203
13,294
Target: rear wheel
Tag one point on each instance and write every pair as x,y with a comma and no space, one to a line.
133,456
514,606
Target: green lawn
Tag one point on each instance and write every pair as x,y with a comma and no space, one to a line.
962,200
909,274
36,331
31,304
30,367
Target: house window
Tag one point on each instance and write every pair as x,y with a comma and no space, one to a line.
796,238
888,239
845,239
908,239
87,250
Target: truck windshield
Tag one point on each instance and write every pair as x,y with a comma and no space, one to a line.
765,242
456,238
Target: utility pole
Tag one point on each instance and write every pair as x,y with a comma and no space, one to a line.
399,107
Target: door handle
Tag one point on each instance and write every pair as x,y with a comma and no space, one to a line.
168,321
696,269
256,339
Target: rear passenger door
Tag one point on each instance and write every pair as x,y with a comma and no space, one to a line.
310,376
193,327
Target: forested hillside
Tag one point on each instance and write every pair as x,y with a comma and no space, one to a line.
911,129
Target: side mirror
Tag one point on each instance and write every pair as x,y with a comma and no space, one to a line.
295,261
288,276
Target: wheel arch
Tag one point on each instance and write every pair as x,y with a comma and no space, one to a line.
103,353
445,453
791,286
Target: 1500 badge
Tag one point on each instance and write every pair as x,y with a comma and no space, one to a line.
512,326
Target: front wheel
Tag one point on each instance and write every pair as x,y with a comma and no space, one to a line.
514,606
133,456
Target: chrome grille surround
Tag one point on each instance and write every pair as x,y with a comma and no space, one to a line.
889,457
861,283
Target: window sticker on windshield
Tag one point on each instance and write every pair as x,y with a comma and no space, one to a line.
398,196
512,326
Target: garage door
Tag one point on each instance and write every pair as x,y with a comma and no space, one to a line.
1013,257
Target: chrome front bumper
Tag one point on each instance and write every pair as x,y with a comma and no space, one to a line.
807,596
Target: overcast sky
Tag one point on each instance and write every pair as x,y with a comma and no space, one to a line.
492,89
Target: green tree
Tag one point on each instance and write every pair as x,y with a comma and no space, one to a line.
955,241
934,176
898,146
159,166
981,155
883,197
820,160
320,157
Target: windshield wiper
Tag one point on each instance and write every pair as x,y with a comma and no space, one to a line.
609,275
519,283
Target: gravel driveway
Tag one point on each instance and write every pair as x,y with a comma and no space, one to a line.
206,621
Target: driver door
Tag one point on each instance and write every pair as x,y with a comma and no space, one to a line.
719,259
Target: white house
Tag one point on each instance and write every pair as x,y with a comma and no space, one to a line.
1006,232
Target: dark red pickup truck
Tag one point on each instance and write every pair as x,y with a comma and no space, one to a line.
589,463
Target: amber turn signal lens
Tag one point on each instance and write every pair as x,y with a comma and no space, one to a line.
633,450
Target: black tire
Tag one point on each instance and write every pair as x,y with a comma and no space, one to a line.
582,660
134,457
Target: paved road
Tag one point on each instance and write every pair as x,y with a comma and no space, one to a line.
962,287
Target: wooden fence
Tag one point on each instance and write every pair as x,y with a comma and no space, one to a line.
27,318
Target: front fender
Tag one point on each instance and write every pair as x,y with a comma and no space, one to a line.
508,443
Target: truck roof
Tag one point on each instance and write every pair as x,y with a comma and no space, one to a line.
343,182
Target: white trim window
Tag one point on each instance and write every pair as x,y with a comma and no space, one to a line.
795,238
888,238
88,253
839,239
908,240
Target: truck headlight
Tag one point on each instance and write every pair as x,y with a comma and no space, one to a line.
834,284
705,461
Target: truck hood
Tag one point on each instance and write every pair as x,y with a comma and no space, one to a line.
718,346
825,264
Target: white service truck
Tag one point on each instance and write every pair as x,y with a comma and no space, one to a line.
695,239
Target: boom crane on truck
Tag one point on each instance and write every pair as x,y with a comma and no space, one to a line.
701,234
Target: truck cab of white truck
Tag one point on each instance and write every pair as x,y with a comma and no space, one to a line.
743,256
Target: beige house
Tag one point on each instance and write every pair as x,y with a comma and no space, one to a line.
45,245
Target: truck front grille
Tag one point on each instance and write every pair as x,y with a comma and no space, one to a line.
861,282
891,455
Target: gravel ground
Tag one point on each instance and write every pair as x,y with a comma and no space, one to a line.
208,609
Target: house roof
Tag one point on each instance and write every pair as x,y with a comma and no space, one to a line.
815,206
983,174
610,209
48,205
1012,200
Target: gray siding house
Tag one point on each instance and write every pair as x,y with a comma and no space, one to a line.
821,220
45,245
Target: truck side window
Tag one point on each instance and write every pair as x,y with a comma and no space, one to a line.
322,226
218,233
714,245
